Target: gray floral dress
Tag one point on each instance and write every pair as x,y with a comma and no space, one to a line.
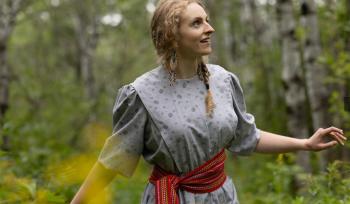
169,127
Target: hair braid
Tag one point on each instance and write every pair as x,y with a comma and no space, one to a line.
204,74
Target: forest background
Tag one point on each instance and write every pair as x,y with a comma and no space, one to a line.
62,62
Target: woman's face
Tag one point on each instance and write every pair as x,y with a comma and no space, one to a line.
194,32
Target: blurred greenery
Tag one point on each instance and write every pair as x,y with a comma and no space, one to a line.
54,141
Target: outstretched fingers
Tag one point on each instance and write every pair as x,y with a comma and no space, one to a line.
335,133
328,144
332,129
337,137
342,136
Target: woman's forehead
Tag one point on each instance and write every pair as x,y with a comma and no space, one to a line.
192,11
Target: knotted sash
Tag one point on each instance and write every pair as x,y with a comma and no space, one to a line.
203,179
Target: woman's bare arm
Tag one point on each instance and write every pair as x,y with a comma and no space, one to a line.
274,143
99,177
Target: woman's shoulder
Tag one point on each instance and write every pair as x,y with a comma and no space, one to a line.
154,74
146,78
153,78
126,92
217,71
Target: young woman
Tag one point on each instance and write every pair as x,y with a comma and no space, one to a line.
182,115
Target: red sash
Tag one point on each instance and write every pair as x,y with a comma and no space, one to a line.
204,179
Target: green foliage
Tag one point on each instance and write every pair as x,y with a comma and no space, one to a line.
275,182
335,56
272,180
329,187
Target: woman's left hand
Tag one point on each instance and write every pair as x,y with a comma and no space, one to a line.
318,141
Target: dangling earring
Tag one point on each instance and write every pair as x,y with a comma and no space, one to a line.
173,65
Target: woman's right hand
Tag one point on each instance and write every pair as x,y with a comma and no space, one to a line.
99,177
318,141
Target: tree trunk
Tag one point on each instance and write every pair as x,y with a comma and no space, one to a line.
259,28
318,92
86,26
293,79
8,13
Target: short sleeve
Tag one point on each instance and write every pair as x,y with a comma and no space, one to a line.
122,150
246,134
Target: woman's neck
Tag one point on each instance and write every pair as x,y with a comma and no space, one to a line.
186,68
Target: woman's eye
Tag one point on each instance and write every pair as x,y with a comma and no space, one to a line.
196,23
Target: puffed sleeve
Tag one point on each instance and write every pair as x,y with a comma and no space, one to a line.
246,134
122,150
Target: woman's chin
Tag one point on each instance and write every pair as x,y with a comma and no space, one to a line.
205,52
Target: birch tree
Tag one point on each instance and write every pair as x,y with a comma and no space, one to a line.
293,79
86,22
258,28
318,92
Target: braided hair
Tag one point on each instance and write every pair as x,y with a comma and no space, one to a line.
204,75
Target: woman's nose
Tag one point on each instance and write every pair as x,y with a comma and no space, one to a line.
209,28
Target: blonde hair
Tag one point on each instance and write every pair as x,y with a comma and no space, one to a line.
164,31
